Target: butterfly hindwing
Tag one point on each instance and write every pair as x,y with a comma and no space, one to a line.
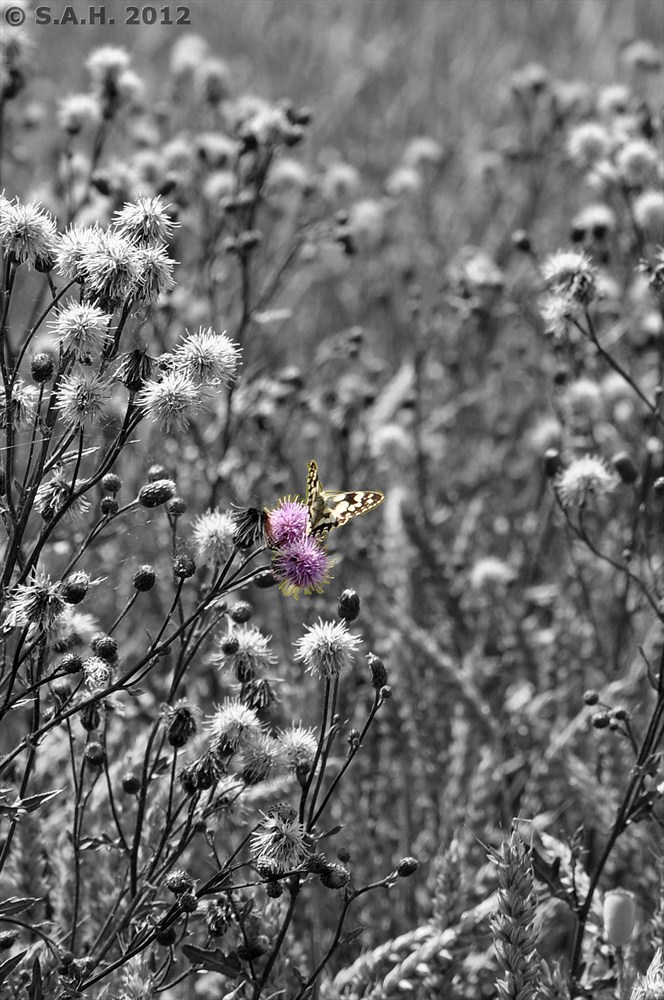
330,509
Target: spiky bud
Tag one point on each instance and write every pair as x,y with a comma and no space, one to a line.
349,605
109,506
407,867
590,697
144,578
176,507
94,754
130,783
156,472
241,612
42,368
156,493
188,902
75,587
378,671
105,646
184,566
71,663
179,882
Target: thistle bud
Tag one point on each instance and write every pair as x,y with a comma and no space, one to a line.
521,241
179,882
94,754
334,876
378,672
184,566
42,368
407,867
274,889
188,902
349,605
144,578
265,580
111,483
241,612
600,720
130,783
156,493
105,646
90,717
167,937
625,468
176,507
590,697
619,917
181,725
71,663
156,472
75,587
109,506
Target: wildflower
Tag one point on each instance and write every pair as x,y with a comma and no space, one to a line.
53,495
77,111
81,329
651,986
156,493
302,567
218,916
619,917
97,672
287,523
594,222
81,400
280,841
367,223
407,867
637,162
614,100
155,274
648,208
587,144
251,655
572,273
38,603
642,54
327,648
105,66
583,399
111,269
530,79
213,536
144,221
334,876
340,182
250,526
231,726
105,646
187,54
202,773
349,605
73,248
262,759
215,78
207,358
172,402
287,175
582,476
179,881
42,367
28,234
75,587
422,150
299,746
379,675
557,312
257,694
94,754
490,572
22,407
144,578
134,369
403,181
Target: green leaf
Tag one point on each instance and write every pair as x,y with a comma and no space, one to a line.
11,964
213,961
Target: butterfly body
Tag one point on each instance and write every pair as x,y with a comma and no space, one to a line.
330,509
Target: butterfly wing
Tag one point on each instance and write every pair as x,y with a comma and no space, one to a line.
330,509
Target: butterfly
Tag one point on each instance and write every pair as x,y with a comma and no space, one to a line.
332,508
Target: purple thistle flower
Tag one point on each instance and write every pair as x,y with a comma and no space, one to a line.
302,566
287,523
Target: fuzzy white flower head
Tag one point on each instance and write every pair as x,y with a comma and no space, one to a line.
299,745
570,272
23,407
648,209
422,150
582,477
213,536
78,111
55,493
145,220
280,841
111,268
367,222
287,175
546,433
81,329
155,275
583,398
340,181
232,726
96,672
587,144
595,220
207,358
81,399
403,181
173,402
38,603
327,648
557,311
73,247
252,656
28,234
613,100
106,63
187,54
263,759
637,162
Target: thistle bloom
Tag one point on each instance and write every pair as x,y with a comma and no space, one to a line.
38,603
557,311
232,725
77,111
587,144
73,248
327,648
299,746
81,399
302,567
28,234
155,274
648,211
262,759
585,475
572,273
23,406
287,523
111,268
97,673
55,494
81,329
280,841
637,162
106,64
144,221
207,358
173,402
213,536
251,656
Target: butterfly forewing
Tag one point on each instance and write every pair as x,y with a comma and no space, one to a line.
330,509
